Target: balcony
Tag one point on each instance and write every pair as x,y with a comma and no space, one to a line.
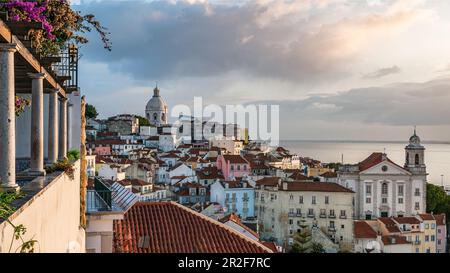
332,216
47,206
343,217
331,229
312,215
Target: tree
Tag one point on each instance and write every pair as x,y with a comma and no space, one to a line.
302,239
437,200
317,248
91,112
143,121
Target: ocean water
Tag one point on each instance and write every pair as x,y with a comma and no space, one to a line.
437,156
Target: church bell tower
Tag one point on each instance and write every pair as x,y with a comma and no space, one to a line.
415,155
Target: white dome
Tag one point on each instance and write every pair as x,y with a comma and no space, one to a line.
156,103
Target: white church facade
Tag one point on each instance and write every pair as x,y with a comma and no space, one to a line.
383,188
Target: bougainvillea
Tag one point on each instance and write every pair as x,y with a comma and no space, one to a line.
60,23
21,103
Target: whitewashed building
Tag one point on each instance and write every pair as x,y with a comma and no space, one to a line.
384,188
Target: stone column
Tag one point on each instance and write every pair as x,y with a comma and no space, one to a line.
69,125
53,126
37,124
7,119
62,149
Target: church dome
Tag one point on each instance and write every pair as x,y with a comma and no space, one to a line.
156,103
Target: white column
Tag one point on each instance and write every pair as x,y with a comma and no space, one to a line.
62,149
37,124
7,119
69,125
52,142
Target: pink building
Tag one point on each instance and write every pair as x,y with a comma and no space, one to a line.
233,166
441,233
102,150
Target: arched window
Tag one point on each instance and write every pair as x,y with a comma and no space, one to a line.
384,188
155,116
407,158
417,159
163,117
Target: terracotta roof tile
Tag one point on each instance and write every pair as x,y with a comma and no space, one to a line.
167,227
391,226
364,230
440,219
394,240
426,217
235,159
407,220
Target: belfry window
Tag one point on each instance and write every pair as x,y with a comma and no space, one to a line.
417,159
155,116
407,158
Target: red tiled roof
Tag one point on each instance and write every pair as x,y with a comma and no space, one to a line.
364,230
372,160
235,159
329,175
426,217
394,240
268,181
167,227
272,246
234,218
316,186
440,219
391,226
209,173
407,220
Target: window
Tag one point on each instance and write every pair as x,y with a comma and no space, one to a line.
300,199
407,159
427,226
400,190
327,200
313,200
342,226
245,167
384,188
433,226
417,206
343,214
433,238
299,212
368,200
291,211
417,192
291,222
332,213
310,212
400,200
291,197
323,212
384,200
331,224
368,189
427,238
232,167
417,159
238,167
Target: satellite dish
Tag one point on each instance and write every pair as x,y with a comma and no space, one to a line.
373,247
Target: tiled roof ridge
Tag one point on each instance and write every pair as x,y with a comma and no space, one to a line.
257,244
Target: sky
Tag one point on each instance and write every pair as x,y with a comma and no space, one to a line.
339,69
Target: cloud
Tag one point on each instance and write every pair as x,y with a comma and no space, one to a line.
383,72
300,41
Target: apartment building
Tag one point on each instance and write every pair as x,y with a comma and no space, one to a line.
280,207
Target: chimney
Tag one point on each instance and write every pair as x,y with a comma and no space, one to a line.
285,186
244,184
392,240
227,186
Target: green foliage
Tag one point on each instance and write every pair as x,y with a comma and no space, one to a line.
437,200
73,155
62,166
91,112
143,121
334,166
317,248
302,239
